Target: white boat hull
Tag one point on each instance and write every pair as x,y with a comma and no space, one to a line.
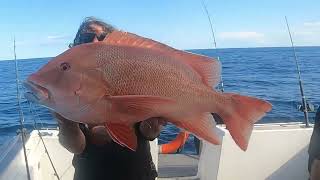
276,152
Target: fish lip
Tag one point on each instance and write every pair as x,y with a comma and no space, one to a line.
30,96
35,92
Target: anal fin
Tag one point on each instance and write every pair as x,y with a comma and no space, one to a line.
123,135
201,125
208,68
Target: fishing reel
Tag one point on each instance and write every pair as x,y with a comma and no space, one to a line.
310,107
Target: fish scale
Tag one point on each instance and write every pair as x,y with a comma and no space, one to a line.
146,72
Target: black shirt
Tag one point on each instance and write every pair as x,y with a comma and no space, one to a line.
114,162
314,147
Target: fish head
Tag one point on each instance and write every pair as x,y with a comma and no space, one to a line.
69,84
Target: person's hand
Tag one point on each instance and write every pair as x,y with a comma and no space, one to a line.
70,135
151,128
63,121
97,134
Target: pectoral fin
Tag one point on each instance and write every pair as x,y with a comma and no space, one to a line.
135,108
124,111
123,135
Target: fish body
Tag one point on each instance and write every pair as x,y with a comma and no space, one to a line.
127,78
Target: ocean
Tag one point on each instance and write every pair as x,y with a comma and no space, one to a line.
267,73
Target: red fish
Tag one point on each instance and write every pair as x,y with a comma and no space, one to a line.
127,78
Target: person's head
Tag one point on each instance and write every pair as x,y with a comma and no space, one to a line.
91,30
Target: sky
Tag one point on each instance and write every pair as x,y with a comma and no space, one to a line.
45,28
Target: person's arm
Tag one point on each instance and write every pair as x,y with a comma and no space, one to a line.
150,128
315,170
70,135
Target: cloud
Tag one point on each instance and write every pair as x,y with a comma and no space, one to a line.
46,41
242,39
315,24
245,35
56,40
308,33
304,33
58,37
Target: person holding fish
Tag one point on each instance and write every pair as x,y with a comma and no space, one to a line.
96,155
121,84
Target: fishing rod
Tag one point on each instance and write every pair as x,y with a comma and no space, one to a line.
22,120
304,100
20,112
213,37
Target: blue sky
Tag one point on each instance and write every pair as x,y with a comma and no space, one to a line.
45,28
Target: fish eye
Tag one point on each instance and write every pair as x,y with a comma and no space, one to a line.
65,66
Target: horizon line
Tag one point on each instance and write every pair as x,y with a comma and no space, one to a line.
189,50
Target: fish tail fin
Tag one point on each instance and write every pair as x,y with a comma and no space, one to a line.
239,115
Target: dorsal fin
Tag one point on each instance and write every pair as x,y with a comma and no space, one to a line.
129,39
208,68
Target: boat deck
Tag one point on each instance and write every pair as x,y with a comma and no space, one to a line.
177,165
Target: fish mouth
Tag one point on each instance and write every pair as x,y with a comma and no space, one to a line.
35,93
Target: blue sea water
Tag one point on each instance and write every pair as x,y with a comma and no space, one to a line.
267,73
